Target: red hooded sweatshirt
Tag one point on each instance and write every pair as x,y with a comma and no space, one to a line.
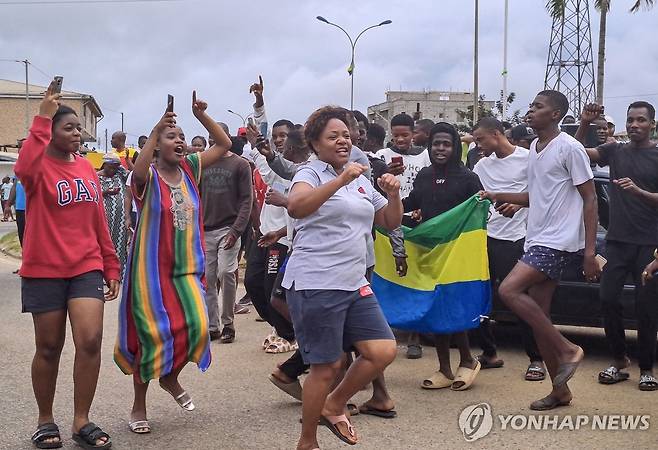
66,231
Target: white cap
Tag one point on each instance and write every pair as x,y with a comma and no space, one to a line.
609,119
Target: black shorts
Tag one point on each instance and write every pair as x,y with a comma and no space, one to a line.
41,295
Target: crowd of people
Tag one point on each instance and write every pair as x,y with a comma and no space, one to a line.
165,228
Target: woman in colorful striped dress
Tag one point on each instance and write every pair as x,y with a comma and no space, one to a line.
163,322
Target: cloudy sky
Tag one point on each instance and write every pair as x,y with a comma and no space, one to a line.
130,55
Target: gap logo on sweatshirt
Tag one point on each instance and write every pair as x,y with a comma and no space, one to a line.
76,191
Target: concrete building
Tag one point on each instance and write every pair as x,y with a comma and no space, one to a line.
440,106
13,107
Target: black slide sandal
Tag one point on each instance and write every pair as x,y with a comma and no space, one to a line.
47,431
89,434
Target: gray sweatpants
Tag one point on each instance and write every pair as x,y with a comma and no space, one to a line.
220,266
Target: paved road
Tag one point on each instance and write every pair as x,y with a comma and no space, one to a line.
238,408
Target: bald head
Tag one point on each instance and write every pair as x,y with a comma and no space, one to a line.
119,140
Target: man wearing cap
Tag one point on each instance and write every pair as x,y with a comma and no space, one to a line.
522,136
611,129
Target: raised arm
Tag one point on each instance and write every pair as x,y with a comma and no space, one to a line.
589,115
28,166
141,167
222,141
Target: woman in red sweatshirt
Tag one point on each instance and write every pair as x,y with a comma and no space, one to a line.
67,254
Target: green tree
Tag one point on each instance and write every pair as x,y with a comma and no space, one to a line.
514,118
556,10
466,116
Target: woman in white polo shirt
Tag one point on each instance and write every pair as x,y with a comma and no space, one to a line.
332,306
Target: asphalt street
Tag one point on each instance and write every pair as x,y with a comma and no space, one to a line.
238,408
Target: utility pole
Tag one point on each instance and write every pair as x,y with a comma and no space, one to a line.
27,98
505,61
105,140
476,95
122,122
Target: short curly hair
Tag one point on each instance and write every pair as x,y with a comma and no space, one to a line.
317,122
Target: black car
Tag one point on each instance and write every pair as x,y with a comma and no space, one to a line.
576,302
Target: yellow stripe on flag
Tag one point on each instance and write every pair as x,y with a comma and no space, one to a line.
464,259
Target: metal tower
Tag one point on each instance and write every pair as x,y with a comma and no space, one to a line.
570,67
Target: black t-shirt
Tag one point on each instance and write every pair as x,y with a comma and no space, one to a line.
379,168
437,190
632,219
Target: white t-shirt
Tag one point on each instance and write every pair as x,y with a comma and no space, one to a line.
508,174
412,163
555,219
6,190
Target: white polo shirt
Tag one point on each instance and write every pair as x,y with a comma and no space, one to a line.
555,217
509,174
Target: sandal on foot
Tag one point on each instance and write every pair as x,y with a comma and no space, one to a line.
87,436
293,389
548,402
486,364
437,381
566,371
383,413
269,339
183,399
47,431
466,376
140,427
612,375
648,383
331,422
535,372
281,345
352,409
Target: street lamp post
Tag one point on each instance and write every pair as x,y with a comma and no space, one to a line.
350,69
243,118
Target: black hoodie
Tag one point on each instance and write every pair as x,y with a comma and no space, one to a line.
437,188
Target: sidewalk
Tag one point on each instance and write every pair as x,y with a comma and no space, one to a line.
9,244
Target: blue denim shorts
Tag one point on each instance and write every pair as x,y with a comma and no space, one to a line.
328,322
552,263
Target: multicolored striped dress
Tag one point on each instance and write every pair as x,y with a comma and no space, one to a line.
163,321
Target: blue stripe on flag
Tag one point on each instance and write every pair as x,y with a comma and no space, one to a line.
448,309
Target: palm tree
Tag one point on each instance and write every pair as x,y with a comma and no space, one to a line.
556,10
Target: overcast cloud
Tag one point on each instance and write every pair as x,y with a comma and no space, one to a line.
129,56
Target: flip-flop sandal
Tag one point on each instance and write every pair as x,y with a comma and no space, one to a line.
466,376
612,375
566,371
352,409
383,413
140,427
489,365
648,383
547,403
293,389
437,381
47,431
331,422
183,399
87,436
535,372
